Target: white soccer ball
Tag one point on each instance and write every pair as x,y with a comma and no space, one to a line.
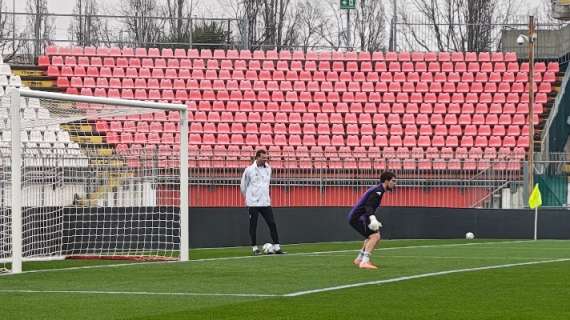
469,236
268,248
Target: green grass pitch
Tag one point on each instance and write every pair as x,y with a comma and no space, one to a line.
417,279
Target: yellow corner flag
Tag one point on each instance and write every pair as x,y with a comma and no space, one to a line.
535,199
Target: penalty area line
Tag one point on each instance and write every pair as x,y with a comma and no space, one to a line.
104,266
288,295
419,276
144,293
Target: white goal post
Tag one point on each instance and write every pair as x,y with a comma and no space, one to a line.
85,177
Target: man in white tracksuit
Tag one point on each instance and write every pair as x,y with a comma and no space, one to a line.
255,188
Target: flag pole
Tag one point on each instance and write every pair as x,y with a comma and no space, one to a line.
535,222
535,201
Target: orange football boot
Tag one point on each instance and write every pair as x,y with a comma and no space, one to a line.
367,265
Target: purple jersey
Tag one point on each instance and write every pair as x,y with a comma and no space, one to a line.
368,203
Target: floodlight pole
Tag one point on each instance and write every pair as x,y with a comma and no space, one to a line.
14,25
348,29
395,24
531,44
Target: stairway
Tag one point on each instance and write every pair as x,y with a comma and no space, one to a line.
35,77
84,134
538,130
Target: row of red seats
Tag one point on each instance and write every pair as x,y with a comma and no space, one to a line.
287,112
325,129
301,86
164,161
400,158
143,138
139,126
376,152
338,66
312,129
157,116
490,117
327,152
386,76
282,55
346,151
362,118
364,140
334,164
322,97
280,123
321,140
230,107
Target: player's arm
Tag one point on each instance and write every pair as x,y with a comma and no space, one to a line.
244,182
370,207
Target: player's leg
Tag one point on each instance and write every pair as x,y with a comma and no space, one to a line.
267,214
253,215
358,258
361,226
373,239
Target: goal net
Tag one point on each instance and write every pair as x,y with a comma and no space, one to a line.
88,177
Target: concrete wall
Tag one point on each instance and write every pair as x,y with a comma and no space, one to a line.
565,39
550,43
561,9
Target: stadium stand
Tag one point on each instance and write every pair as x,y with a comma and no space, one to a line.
425,106
52,141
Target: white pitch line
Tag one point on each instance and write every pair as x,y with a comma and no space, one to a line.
293,294
101,266
442,257
530,247
104,266
299,244
355,250
418,276
145,293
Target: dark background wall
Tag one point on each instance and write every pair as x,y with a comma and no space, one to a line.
82,230
212,227
157,228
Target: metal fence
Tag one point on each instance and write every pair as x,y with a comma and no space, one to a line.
478,181
339,182
313,180
21,43
419,34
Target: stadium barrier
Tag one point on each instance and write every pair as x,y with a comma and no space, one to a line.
214,181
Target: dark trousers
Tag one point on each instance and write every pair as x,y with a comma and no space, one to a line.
267,214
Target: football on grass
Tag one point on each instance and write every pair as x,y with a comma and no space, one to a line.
268,248
469,236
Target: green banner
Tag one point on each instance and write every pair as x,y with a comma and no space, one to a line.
347,4
554,190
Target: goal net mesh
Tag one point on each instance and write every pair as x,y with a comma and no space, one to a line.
97,181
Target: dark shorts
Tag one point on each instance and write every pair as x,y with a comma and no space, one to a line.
360,224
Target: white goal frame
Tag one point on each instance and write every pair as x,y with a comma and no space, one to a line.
16,162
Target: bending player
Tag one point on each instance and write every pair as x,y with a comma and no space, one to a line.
362,218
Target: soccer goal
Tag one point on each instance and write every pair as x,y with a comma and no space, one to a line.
93,178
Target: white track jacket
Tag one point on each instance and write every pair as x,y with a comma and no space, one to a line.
255,185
